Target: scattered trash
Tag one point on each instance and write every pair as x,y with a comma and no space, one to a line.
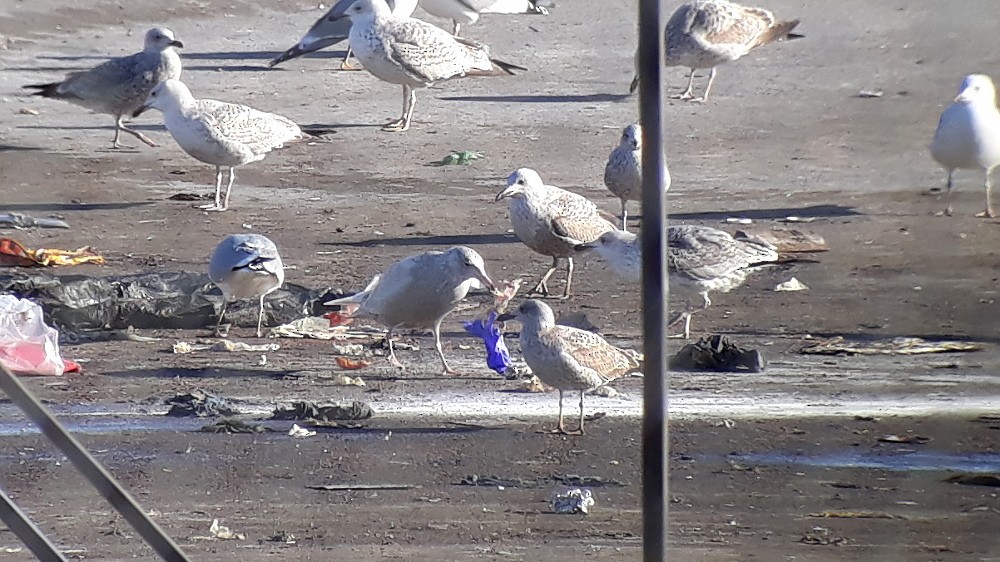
27,345
22,221
917,439
352,364
857,515
355,410
572,501
822,537
497,355
14,254
190,197
792,284
535,384
360,487
321,328
231,426
738,220
338,319
896,346
717,353
794,218
299,433
786,240
223,345
463,157
224,533
503,297
972,479
348,349
870,94
201,404
28,111
284,537
343,380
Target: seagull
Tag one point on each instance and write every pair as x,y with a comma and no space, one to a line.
551,221
119,86
419,291
219,133
623,172
698,257
468,11
330,30
246,266
413,53
567,358
707,33
968,134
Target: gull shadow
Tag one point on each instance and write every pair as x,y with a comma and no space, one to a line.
258,55
60,69
814,211
452,240
49,207
194,372
131,125
13,148
542,98
223,68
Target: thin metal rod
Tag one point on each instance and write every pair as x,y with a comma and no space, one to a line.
654,286
105,484
25,529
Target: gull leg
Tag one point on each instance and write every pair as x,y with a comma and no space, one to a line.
120,126
581,411
947,194
569,278
409,102
229,188
455,28
345,64
634,85
624,215
988,213
542,287
218,192
118,133
708,301
260,318
560,427
704,97
222,314
437,345
686,94
392,352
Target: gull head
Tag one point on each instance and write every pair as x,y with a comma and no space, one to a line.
976,88
166,95
632,137
531,313
160,39
470,265
611,243
519,182
358,10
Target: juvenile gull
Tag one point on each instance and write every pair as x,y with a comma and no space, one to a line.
551,221
413,53
623,172
968,134
701,258
223,134
246,266
330,30
119,86
463,12
419,291
707,33
567,358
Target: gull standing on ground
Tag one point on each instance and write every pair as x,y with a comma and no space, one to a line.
119,86
464,12
413,53
551,221
698,257
567,358
968,134
330,30
419,291
707,33
246,266
219,133
623,172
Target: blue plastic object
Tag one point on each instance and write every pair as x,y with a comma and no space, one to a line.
497,356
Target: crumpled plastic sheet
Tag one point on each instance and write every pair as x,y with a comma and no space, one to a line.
168,300
497,355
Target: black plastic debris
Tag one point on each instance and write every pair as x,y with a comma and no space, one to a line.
230,426
201,404
355,410
169,300
717,353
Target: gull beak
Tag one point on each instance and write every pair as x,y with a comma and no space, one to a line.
142,109
506,316
507,192
487,282
584,247
176,43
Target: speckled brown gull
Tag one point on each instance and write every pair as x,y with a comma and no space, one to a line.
246,266
699,258
567,358
551,221
419,291
707,33
219,133
968,134
413,53
119,86
623,172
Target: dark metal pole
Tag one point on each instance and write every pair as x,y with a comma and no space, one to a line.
654,285
99,478
30,535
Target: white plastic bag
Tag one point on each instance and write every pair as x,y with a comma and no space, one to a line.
27,345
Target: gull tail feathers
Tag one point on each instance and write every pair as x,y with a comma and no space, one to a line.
778,32
49,90
356,297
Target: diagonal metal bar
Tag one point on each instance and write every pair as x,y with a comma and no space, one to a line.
25,529
654,285
99,478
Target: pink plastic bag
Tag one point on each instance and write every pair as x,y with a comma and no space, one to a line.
27,345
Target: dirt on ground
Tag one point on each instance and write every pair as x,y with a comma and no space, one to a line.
828,457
